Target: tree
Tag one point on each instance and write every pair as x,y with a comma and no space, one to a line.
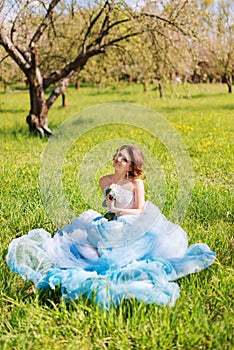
213,54
223,46
158,55
23,45
34,33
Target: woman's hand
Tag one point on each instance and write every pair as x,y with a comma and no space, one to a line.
111,204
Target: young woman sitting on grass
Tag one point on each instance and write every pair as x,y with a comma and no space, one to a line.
132,251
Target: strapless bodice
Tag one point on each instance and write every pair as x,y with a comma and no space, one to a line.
125,199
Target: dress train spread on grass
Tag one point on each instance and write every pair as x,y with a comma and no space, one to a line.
134,256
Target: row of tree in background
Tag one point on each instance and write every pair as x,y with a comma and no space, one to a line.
54,42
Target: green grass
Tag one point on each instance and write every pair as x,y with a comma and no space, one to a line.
202,317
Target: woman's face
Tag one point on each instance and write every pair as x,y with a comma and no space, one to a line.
121,160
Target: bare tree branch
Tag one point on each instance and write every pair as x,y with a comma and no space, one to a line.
124,37
19,14
40,30
3,59
56,92
171,23
78,63
92,23
14,52
105,32
179,8
2,2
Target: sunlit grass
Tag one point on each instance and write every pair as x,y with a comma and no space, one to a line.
203,315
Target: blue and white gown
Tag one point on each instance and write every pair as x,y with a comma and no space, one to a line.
135,256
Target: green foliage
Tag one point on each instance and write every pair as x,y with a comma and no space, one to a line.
203,315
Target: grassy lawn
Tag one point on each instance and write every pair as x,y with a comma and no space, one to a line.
202,318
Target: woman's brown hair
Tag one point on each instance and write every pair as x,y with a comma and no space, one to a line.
137,161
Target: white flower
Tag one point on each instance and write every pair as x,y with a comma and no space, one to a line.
114,191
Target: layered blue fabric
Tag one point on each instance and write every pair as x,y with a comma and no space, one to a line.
131,257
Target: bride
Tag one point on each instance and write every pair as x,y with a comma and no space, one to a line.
132,251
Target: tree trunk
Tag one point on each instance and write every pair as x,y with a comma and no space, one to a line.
229,82
160,87
77,84
64,102
38,116
145,87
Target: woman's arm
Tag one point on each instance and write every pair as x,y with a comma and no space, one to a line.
139,201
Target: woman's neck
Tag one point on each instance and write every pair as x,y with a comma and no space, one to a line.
118,177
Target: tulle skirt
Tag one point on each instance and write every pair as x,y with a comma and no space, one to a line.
131,257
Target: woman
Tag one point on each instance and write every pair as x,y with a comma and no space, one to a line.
127,162
132,251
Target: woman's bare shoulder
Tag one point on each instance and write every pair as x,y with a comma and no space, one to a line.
105,181
137,182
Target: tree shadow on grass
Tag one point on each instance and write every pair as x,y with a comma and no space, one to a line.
22,129
194,109
228,107
109,93
203,95
19,131
13,111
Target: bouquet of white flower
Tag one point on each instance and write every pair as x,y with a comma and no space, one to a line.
113,192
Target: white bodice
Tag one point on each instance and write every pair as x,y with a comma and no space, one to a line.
125,199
